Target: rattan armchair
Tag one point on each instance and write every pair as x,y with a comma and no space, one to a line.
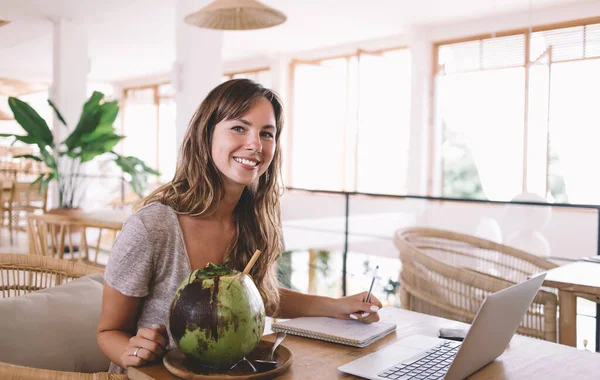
449,274
21,274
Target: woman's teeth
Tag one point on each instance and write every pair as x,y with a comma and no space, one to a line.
245,161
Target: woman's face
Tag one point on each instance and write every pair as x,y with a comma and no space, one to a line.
243,148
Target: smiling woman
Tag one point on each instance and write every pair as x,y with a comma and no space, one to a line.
221,205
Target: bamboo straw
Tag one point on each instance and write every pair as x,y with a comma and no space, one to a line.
252,261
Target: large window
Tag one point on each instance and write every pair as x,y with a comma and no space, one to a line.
519,113
149,117
350,115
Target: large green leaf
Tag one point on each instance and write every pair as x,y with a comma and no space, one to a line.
31,121
49,159
103,145
137,169
109,111
149,170
93,102
138,185
74,153
134,164
87,124
26,139
89,120
58,115
35,158
38,179
101,130
45,182
30,140
89,155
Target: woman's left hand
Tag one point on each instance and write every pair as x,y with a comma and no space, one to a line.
354,307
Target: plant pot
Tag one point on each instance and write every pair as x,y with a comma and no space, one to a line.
70,212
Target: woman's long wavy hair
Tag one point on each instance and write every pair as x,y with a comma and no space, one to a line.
198,186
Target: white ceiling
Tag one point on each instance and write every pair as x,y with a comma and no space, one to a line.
136,38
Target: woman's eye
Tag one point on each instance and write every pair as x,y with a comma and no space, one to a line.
237,128
268,134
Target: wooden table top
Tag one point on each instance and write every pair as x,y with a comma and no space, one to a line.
108,216
580,276
525,358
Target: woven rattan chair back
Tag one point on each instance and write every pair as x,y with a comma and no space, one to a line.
21,274
64,236
449,274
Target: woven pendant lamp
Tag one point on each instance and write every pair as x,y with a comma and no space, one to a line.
236,15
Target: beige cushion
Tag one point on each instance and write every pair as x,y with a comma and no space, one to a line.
54,328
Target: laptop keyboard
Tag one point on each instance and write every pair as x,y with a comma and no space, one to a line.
431,364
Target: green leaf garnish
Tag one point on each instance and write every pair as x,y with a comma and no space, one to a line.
214,270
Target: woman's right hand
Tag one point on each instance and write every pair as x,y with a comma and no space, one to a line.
147,345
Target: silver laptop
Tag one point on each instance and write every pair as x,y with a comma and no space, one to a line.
425,357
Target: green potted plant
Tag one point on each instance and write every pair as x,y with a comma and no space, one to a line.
94,135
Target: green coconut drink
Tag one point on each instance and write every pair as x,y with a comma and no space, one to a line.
217,316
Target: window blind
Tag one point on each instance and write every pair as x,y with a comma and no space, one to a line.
482,54
571,43
567,44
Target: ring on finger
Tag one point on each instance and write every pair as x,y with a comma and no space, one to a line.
136,352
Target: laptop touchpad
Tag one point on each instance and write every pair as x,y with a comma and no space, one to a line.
392,355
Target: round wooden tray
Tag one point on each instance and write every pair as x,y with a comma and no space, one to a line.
179,365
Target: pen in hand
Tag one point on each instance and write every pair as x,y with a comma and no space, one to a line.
368,298
372,282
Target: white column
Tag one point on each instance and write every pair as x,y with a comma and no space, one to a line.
70,67
419,147
198,65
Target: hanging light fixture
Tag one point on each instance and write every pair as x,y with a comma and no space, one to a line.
236,15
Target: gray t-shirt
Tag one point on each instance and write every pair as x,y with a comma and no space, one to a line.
149,260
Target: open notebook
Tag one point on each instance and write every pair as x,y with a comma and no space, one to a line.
349,332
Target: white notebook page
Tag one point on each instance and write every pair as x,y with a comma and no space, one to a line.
348,329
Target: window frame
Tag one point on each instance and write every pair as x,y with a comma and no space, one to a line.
288,170
231,74
435,160
157,97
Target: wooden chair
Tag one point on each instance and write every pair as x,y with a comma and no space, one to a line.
6,196
26,198
449,274
56,235
21,274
